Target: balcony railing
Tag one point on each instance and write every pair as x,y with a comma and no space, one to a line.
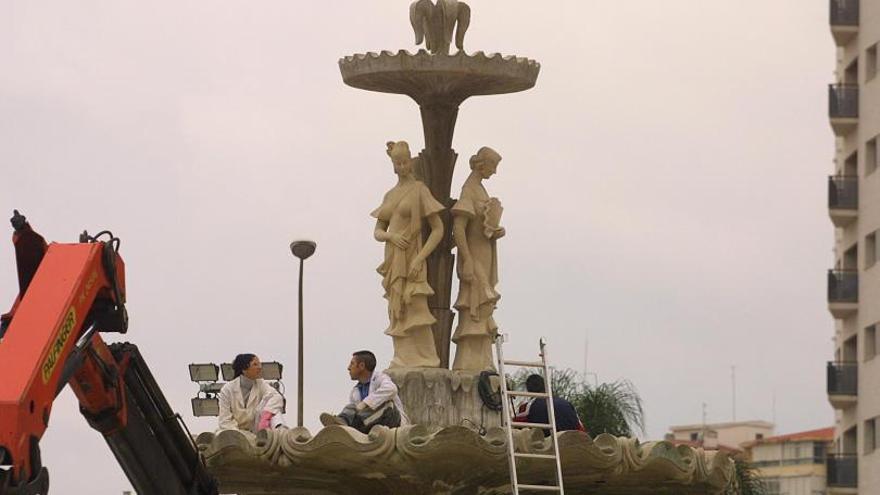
843,378
843,101
843,286
844,12
843,192
843,470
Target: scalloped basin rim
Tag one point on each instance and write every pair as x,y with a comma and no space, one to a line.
424,54
423,75
412,459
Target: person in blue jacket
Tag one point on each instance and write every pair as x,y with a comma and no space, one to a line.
535,410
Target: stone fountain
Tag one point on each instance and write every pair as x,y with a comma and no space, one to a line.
454,446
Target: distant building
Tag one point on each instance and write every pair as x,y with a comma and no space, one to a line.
792,464
721,436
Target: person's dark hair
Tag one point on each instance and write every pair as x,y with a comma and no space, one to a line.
366,357
241,363
535,383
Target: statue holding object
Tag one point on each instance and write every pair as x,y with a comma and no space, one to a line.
476,228
435,23
405,209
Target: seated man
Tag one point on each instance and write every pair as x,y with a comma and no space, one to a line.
535,410
248,403
373,400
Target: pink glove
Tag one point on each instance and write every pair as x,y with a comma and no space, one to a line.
265,420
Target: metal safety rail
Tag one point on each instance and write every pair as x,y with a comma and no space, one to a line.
509,424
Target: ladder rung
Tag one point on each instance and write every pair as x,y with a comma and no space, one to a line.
534,456
517,393
539,488
527,364
520,424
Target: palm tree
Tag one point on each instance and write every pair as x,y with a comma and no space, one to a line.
746,480
614,408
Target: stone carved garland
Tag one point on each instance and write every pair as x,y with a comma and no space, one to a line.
452,460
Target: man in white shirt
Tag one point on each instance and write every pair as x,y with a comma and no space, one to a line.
374,400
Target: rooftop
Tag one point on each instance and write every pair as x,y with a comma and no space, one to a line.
697,444
820,435
731,424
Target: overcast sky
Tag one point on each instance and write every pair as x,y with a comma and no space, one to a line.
664,187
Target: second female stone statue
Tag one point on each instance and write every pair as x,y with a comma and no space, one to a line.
405,209
476,227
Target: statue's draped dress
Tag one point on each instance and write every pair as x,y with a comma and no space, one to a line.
404,208
476,298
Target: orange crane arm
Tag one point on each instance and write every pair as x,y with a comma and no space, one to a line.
69,293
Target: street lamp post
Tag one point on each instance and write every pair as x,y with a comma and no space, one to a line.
302,250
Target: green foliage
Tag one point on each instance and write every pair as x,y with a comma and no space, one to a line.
746,480
613,408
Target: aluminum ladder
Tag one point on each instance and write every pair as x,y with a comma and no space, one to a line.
509,424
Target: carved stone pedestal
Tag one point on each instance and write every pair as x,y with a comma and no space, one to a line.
440,397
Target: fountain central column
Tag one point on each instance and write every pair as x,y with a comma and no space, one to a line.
435,168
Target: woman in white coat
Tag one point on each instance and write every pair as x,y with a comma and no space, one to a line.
248,403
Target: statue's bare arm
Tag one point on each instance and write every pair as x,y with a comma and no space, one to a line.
381,234
433,241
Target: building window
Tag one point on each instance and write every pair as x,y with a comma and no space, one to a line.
851,164
772,486
850,259
870,249
850,441
871,62
819,453
695,437
870,435
851,350
871,156
870,342
851,74
759,436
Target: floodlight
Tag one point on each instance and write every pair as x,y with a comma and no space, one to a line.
228,372
206,372
211,388
272,370
205,407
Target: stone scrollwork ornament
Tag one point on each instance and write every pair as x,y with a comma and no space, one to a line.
405,210
476,228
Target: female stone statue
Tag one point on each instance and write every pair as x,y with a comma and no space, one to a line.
475,227
399,221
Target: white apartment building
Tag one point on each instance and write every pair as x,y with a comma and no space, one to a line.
792,464
730,436
853,466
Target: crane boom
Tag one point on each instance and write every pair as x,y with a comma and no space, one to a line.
68,295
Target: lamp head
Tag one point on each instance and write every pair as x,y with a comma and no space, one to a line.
206,372
205,407
303,249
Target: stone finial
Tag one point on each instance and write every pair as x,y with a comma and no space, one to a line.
435,23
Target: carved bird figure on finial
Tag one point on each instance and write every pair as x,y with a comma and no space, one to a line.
435,23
